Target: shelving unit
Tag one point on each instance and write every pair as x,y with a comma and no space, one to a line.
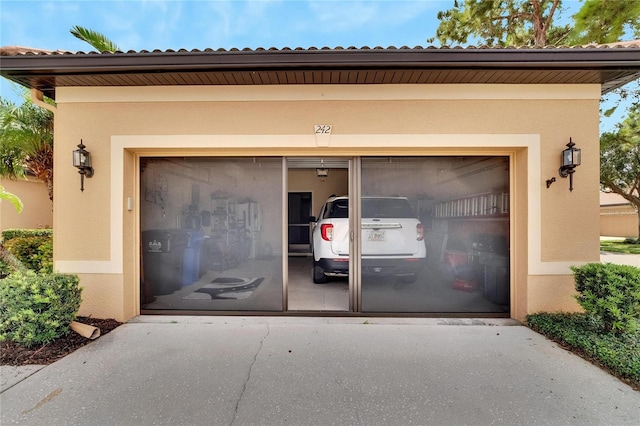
223,244
223,214
234,232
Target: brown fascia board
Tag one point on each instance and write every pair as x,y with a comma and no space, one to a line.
45,65
551,58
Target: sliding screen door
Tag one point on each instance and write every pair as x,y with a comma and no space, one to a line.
435,234
211,234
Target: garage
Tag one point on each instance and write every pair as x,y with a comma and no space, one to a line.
227,234
211,168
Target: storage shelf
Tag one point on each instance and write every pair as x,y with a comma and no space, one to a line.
477,206
486,218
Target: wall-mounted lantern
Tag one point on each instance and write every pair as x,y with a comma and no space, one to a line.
571,158
82,160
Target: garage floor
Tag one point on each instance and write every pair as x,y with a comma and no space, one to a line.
304,295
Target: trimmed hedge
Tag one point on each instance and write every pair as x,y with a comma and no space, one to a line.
9,234
37,309
32,247
610,292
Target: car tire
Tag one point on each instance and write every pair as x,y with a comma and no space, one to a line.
317,273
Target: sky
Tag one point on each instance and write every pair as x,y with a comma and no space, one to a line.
201,24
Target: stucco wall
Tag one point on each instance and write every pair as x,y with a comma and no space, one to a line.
37,209
618,221
551,228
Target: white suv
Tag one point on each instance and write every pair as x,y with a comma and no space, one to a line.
392,239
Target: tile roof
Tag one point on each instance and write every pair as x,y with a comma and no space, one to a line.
23,50
611,65
612,199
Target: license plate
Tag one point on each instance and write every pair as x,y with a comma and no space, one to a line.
376,236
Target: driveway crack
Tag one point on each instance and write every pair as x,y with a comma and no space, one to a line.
248,378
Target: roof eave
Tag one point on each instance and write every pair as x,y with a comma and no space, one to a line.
41,65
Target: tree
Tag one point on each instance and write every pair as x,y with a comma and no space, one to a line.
98,41
620,160
600,21
501,22
26,135
531,23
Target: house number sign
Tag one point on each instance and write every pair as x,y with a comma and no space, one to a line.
322,131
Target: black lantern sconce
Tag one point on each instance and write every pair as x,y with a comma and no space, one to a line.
82,160
571,158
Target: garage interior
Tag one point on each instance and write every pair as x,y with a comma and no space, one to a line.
212,227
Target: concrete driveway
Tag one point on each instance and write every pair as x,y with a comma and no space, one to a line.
621,259
320,371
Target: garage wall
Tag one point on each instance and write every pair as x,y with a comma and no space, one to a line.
618,221
552,113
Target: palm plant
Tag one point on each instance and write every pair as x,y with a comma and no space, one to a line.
12,198
26,136
6,257
98,41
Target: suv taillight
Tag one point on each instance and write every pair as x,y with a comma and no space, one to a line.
419,232
326,230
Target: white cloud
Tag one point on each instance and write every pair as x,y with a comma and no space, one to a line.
351,15
231,21
332,16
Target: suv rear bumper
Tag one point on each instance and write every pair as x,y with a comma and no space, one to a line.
399,267
334,268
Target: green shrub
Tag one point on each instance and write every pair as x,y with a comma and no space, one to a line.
34,251
37,309
632,240
610,292
4,269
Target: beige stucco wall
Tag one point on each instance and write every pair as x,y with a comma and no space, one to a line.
37,209
551,228
551,293
618,221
